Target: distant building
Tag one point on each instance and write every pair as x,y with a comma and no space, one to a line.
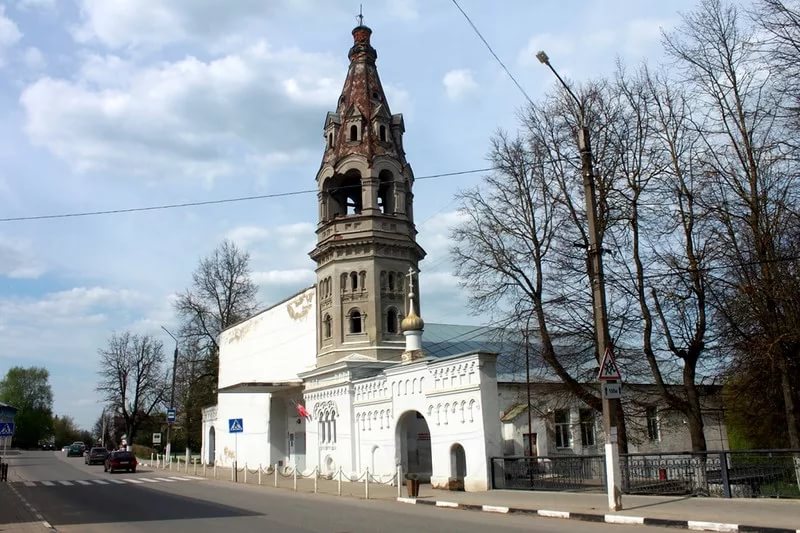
345,374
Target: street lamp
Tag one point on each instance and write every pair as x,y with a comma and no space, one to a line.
171,395
603,338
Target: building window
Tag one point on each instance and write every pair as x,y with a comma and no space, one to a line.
529,445
353,281
326,327
563,438
355,321
652,424
382,133
330,140
391,321
587,427
391,281
353,132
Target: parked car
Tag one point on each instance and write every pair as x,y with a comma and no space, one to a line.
120,460
74,450
95,455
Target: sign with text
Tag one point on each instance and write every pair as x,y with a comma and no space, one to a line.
156,438
612,390
235,425
171,415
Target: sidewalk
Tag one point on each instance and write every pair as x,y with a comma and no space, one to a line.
714,514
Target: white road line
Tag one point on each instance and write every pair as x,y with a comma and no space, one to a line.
100,481
148,480
195,477
134,481
117,481
48,484
65,482
165,479
83,482
176,478
29,484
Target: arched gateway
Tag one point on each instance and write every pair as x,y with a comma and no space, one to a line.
413,444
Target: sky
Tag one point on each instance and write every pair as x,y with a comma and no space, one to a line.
118,104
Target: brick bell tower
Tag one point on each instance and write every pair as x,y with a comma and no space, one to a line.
366,239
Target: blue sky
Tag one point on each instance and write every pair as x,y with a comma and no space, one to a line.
112,104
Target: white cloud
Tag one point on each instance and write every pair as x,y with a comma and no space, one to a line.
36,5
458,83
17,260
76,305
284,277
245,236
34,59
154,23
9,34
184,118
556,46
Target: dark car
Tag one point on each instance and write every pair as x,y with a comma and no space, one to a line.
75,450
95,455
120,460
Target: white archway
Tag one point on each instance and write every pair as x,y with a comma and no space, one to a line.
413,445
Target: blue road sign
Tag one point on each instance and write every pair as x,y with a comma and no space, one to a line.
170,416
7,429
235,425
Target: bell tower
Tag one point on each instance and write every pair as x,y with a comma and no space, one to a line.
366,239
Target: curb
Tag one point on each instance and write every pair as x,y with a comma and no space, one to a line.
693,525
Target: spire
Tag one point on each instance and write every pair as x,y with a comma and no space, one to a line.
411,322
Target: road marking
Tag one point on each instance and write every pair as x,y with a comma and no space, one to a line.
148,480
30,484
165,479
83,482
176,478
446,504
195,477
100,481
134,481
65,482
117,481
48,483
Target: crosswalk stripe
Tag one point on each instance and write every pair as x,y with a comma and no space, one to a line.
30,484
48,483
135,481
100,481
195,477
165,479
117,481
65,482
177,478
83,482
148,480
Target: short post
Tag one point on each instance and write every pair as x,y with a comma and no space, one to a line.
194,469
294,474
723,468
340,481
316,476
245,472
259,473
366,484
233,470
204,469
215,470
399,477
275,471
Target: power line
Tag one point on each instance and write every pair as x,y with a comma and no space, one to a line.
488,46
212,202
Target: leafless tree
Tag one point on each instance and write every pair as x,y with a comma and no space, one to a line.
132,378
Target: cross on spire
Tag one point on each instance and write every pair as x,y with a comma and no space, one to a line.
360,15
410,277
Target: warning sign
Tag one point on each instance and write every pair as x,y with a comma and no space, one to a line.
608,367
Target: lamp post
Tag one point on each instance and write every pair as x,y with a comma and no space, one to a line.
603,338
171,394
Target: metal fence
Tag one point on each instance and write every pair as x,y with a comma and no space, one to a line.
745,474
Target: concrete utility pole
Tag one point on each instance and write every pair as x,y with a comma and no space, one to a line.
603,338
172,393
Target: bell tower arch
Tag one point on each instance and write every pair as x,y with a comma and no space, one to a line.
366,238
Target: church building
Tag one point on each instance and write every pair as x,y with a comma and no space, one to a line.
345,374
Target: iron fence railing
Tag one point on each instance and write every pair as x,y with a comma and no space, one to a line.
737,474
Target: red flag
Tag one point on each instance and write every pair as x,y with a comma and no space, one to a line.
301,410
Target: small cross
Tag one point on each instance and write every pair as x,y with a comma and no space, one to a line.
360,15
410,277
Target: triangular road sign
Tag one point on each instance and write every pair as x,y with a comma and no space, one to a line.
608,367
6,429
235,425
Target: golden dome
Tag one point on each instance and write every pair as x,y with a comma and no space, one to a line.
412,322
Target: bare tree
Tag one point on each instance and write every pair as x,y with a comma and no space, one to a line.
132,378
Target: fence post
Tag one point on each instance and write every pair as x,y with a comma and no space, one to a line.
316,476
204,469
276,474
194,470
259,473
400,476
340,480
366,484
294,475
245,472
723,468
215,470
233,471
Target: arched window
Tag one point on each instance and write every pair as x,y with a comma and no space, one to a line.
330,140
383,279
355,321
391,320
344,282
382,133
400,282
353,281
391,281
353,132
363,276
326,327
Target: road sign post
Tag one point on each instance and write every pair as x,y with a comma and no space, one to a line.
235,426
6,432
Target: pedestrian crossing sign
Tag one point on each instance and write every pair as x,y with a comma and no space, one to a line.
608,367
6,429
235,425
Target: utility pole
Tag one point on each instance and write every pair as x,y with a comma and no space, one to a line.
603,338
171,395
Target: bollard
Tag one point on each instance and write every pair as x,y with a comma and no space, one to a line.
366,484
340,481
294,473
204,469
315,478
245,472
233,470
399,477
276,474
194,470
259,473
215,470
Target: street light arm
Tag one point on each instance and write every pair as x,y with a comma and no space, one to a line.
542,57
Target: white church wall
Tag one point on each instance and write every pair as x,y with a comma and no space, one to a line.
251,446
274,345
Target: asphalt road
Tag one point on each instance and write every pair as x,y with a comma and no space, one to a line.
74,497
